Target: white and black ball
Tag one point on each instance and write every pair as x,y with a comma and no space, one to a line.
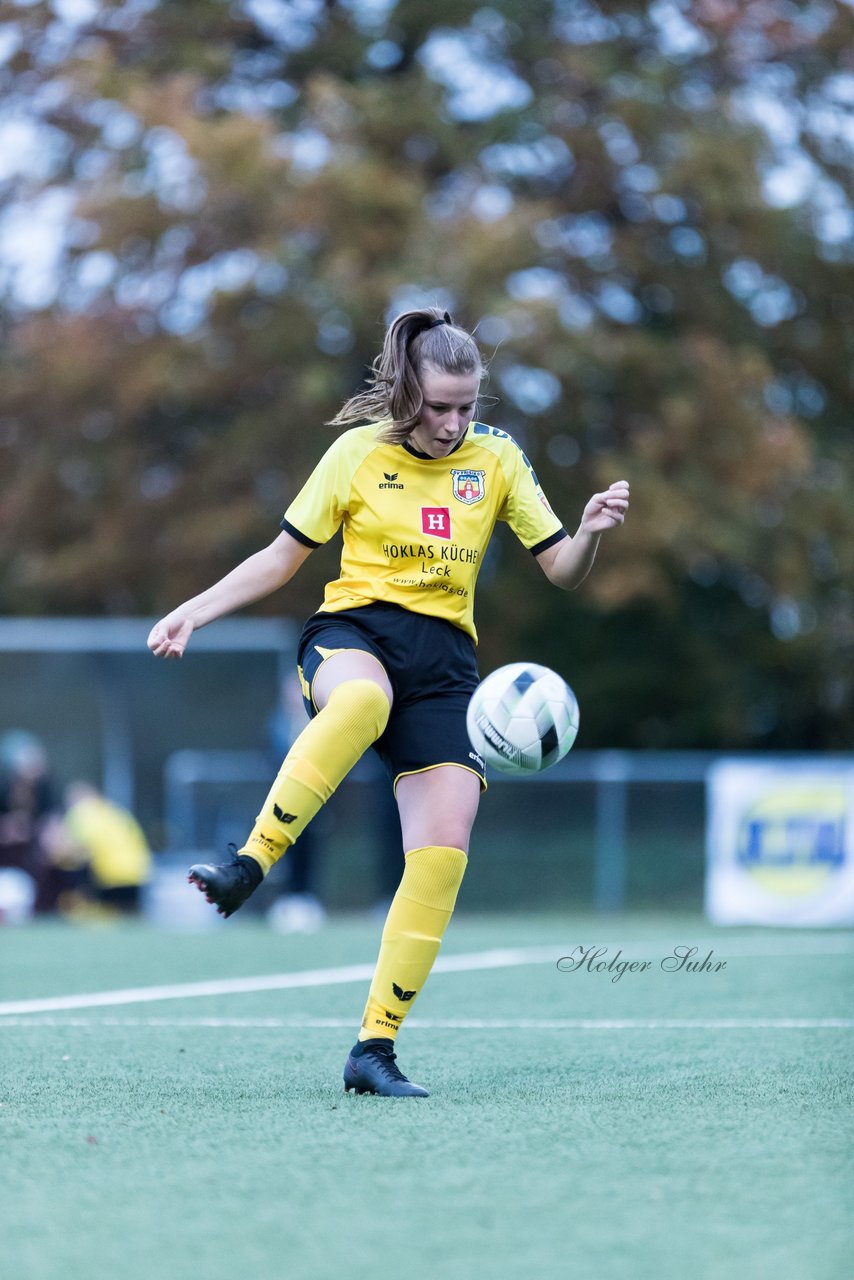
522,718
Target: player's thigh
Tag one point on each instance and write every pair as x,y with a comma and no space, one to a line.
438,806
344,665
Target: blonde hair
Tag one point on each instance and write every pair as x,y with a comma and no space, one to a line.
413,339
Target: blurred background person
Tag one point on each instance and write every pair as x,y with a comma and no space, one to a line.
29,818
108,846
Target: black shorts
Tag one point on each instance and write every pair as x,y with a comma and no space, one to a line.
432,669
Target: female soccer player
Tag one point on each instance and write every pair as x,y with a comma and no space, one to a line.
389,659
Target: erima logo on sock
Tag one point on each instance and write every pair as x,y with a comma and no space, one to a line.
264,841
281,816
400,993
390,481
395,1017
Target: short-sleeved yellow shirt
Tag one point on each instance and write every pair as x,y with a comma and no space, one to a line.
415,527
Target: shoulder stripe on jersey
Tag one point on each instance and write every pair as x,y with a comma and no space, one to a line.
548,542
296,533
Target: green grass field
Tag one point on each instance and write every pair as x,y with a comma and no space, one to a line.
691,1125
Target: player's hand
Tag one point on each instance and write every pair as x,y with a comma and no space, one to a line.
170,636
606,510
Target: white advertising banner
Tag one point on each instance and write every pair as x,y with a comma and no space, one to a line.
780,842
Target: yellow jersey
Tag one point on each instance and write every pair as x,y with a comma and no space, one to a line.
416,527
118,851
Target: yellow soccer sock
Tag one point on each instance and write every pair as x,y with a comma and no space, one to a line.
416,922
324,753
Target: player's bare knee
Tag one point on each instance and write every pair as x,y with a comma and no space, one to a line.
456,838
436,835
349,667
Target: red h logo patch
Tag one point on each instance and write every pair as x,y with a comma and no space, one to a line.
436,522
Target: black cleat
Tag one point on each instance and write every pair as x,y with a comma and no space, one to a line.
372,1068
228,884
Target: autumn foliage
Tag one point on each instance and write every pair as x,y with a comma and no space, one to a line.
641,208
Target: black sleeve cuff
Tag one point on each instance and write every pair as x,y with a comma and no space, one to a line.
548,542
295,533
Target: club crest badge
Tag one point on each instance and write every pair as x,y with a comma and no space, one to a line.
469,486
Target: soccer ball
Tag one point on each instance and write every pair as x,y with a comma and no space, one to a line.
522,718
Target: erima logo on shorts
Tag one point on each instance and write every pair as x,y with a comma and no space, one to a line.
436,521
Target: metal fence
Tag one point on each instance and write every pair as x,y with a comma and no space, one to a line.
603,828
183,745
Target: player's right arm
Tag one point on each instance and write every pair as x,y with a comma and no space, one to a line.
258,576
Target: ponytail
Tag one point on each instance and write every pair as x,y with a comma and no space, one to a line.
414,339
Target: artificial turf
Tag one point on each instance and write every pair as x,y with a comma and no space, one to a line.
208,1136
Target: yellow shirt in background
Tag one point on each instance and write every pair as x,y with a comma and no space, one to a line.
113,840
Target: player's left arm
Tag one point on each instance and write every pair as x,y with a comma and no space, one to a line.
569,561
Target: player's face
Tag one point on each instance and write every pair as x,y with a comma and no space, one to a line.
449,402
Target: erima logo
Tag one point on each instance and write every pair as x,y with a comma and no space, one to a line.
400,993
265,842
281,816
390,481
395,1017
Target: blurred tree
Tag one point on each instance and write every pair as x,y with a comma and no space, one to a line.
210,210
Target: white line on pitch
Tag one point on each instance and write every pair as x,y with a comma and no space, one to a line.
502,958
455,1024
499,959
